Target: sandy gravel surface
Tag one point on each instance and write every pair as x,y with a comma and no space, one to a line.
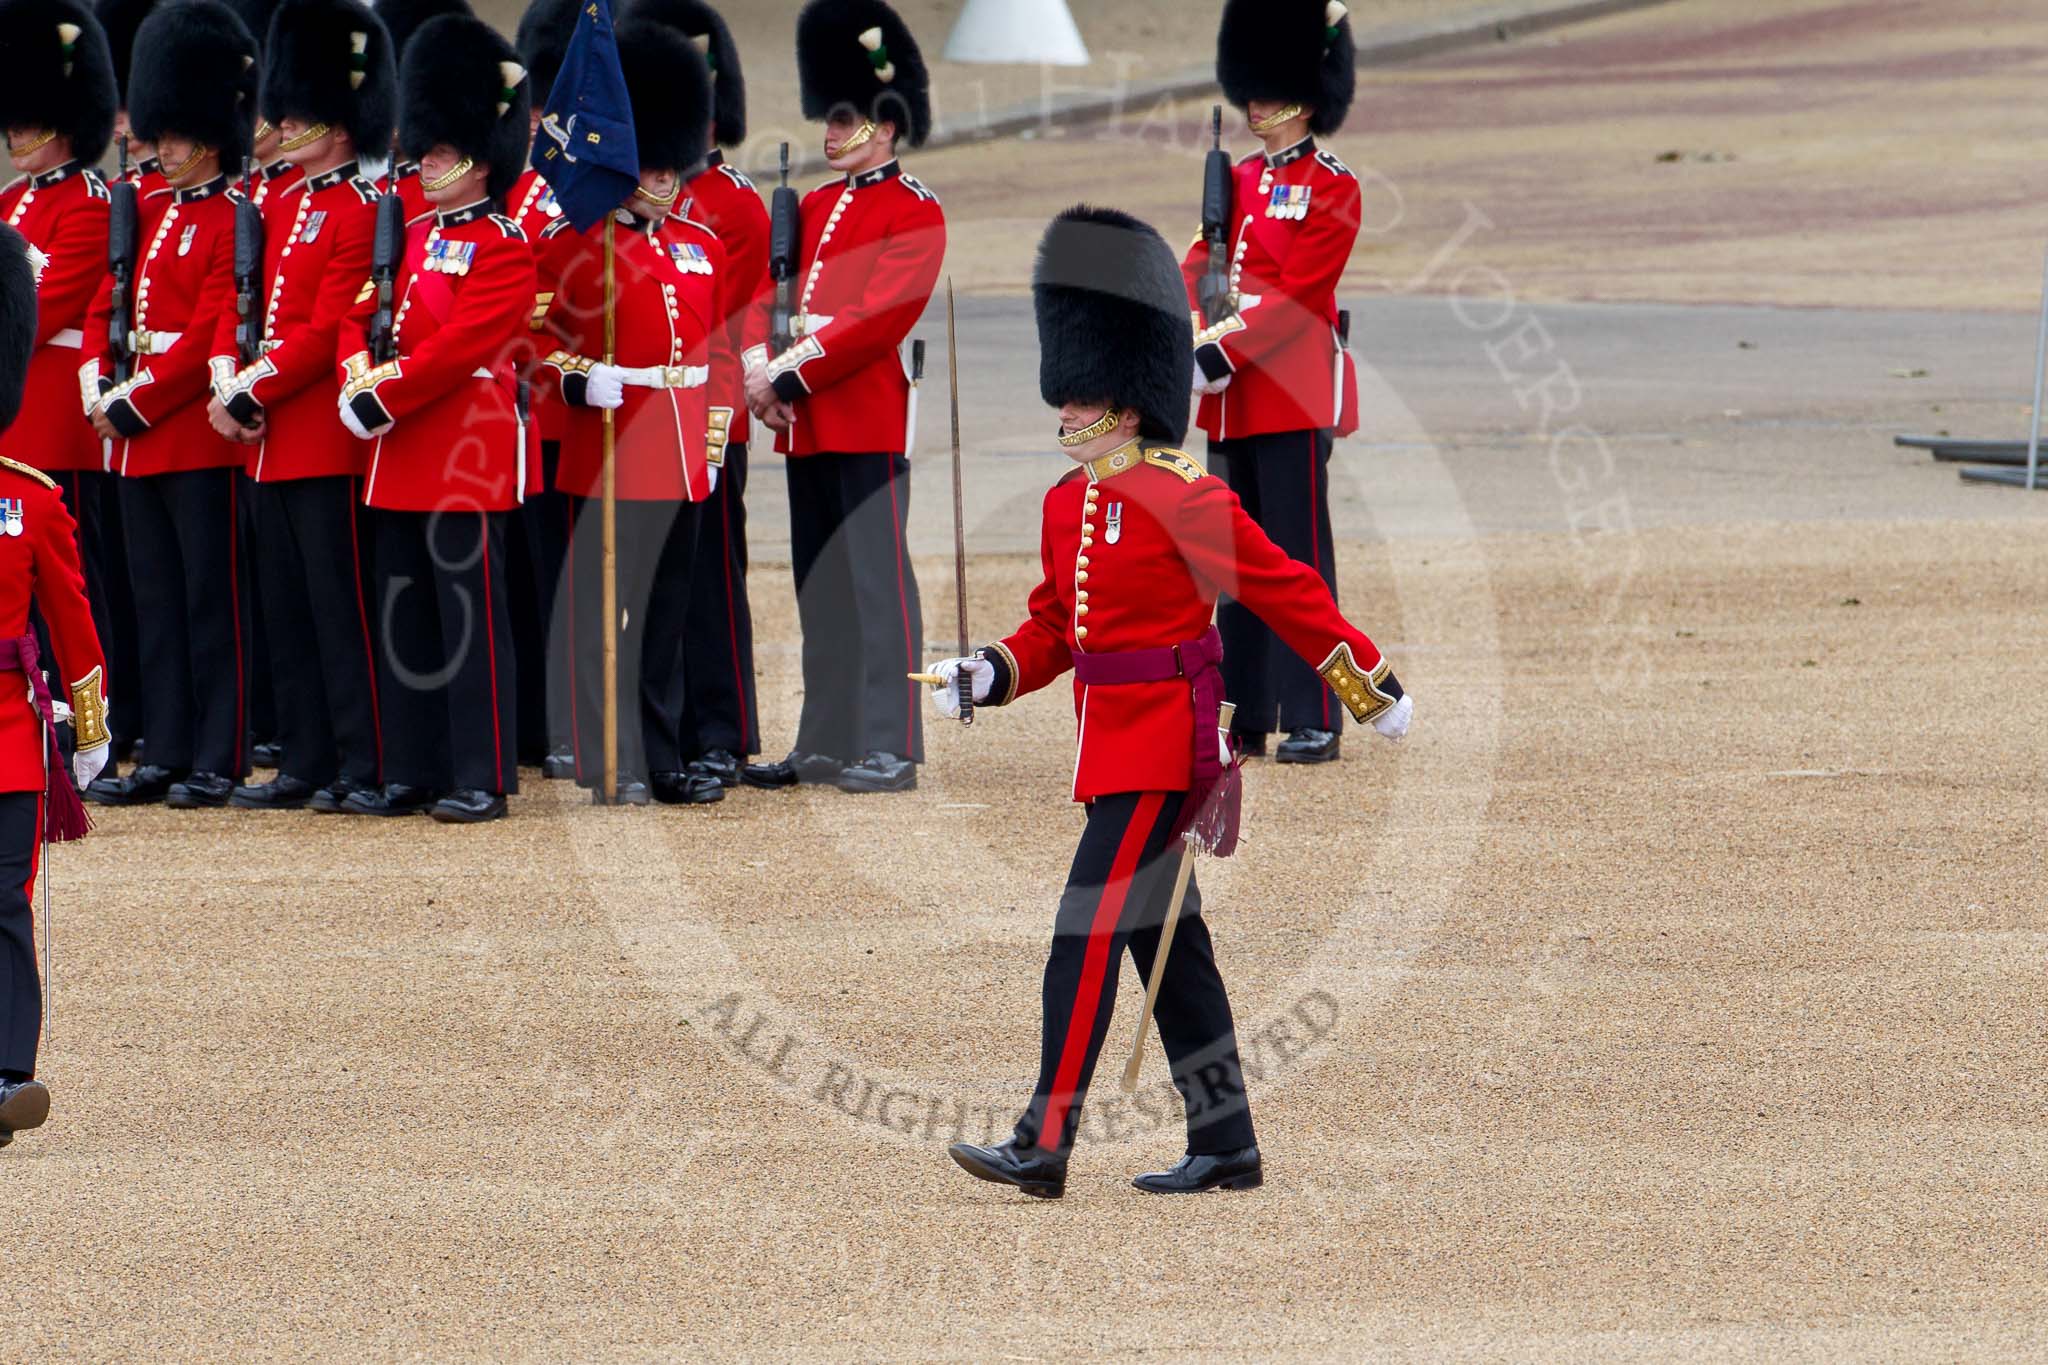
1676,990
1880,153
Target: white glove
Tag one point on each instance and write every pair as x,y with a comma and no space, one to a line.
1393,722
945,699
712,470
86,764
604,386
1206,387
353,423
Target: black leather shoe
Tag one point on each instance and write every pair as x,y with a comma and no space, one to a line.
1249,745
200,791
23,1105
1039,1174
393,798
879,772
145,785
332,799
266,755
138,750
559,765
1192,1174
285,793
687,788
722,764
632,792
798,767
1309,746
469,806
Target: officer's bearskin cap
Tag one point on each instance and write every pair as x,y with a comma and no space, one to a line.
17,320
543,42
859,54
706,28
60,74
119,19
195,75
1113,320
330,61
670,89
403,18
461,84
1293,51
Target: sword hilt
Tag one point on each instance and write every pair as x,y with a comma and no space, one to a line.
963,692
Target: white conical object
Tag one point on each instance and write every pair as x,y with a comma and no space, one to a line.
1009,32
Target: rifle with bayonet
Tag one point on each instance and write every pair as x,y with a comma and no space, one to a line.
1214,291
387,254
785,249
124,241
248,270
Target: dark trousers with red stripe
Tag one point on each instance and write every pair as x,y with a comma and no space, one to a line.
538,548
856,601
93,500
310,562
184,535
446,693
1116,898
655,547
1283,480
718,709
21,988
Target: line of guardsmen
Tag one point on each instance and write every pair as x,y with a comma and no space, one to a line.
355,516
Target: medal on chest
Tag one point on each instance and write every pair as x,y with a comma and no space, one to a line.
689,258
314,220
185,240
1113,528
448,258
10,516
1289,201
547,202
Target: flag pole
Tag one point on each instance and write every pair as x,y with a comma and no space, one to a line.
611,531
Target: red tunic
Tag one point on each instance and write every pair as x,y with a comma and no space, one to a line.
184,284
1298,217
63,213
404,179
1135,549
273,180
317,236
726,201
463,297
532,205
669,317
39,564
873,247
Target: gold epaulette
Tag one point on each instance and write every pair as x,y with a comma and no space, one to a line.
38,475
1179,462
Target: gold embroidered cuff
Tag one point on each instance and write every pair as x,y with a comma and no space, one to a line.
569,363
754,357
89,712
1010,662
360,375
796,357
717,432
1364,693
1233,322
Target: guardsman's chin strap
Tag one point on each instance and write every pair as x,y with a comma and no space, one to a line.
1278,118
176,173
661,201
49,136
1102,426
306,139
455,173
862,136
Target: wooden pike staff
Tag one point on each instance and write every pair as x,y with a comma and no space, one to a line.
610,791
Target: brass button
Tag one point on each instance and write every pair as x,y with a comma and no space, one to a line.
1081,610
1087,541
1081,595
1080,632
1082,562
1081,576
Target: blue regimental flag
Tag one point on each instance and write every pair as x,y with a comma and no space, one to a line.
586,149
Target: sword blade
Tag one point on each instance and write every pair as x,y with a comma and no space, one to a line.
959,495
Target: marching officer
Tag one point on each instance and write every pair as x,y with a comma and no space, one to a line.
1137,545
839,398
329,88
58,110
38,802
447,445
670,335
538,538
720,723
1276,380
402,20
192,96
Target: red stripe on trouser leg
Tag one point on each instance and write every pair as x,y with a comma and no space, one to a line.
1095,964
